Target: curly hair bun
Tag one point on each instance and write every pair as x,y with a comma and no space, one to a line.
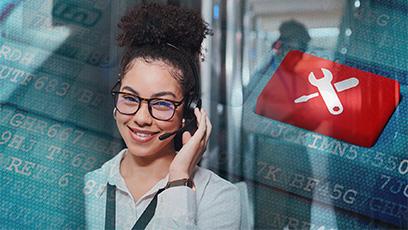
154,24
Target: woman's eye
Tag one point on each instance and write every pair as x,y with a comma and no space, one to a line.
130,99
162,105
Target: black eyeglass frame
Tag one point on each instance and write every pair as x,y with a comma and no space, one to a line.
148,100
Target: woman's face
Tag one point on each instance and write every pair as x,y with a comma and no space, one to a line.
141,131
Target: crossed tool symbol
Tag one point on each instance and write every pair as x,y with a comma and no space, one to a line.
327,91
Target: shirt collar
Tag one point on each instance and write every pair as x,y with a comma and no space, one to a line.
114,177
111,170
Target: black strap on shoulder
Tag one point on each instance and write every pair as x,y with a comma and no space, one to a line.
148,213
110,213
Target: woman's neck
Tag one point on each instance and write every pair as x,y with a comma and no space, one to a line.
146,168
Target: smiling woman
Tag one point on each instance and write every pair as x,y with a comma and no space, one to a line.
155,183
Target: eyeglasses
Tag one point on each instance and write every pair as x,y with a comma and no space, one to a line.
160,109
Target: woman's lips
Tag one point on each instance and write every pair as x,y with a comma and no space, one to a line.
141,136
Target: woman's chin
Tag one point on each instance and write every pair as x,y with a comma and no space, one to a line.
138,151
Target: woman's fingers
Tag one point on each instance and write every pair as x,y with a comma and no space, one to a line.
208,131
205,119
186,137
194,146
201,121
197,113
205,136
200,137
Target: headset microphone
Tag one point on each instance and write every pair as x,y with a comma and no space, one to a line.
185,128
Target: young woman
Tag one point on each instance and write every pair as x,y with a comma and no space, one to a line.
149,184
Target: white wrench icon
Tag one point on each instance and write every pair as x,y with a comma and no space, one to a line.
327,91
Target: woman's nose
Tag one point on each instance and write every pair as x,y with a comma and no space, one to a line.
143,117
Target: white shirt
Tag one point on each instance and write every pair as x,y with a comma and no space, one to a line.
215,204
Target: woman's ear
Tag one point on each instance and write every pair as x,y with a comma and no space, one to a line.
183,122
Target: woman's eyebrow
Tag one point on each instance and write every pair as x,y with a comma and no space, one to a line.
159,94
130,89
164,93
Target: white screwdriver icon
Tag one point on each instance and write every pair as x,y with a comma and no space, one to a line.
327,91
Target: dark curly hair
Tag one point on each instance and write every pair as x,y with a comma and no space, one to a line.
164,33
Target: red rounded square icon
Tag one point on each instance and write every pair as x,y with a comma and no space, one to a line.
329,98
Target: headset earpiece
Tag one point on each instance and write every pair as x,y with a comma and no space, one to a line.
191,105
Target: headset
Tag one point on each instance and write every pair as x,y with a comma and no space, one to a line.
192,101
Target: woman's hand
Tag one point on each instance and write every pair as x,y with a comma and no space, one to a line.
193,148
